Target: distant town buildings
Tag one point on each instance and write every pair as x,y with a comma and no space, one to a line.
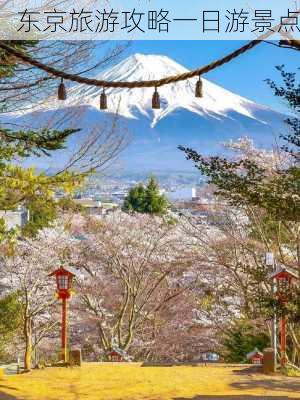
13,219
181,194
96,207
187,197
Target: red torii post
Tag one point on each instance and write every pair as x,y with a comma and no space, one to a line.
284,278
64,277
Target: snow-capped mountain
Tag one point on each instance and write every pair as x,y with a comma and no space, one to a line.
183,119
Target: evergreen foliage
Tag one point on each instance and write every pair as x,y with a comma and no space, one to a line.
274,196
146,199
10,320
8,61
23,186
240,339
245,183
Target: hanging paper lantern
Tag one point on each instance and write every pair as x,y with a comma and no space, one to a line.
199,88
103,100
62,92
156,100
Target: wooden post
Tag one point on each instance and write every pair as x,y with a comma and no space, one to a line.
283,359
64,330
269,366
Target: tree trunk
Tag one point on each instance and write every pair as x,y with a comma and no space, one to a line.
294,356
28,344
295,341
105,344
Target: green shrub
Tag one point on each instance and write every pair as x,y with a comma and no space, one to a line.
240,339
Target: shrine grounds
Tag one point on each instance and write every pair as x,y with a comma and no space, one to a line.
96,381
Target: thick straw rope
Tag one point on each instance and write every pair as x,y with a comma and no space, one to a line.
133,84
140,84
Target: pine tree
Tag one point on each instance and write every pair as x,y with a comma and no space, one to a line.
154,202
146,200
240,339
134,201
25,143
21,186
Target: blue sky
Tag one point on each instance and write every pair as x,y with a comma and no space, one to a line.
244,75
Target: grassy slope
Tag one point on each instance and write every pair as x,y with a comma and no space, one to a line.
130,381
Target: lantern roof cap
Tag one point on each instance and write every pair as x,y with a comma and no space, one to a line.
70,270
254,353
285,270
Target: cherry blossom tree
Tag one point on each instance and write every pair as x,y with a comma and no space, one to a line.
26,273
235,249
137,266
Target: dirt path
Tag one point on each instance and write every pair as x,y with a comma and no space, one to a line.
134,382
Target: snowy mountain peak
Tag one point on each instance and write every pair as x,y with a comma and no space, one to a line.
183,118
216,103
144,67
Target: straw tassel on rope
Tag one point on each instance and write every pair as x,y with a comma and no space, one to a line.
103,100
156,100
199,88
62,92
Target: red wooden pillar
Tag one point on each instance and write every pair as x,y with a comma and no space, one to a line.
64,330
283,358
284,278
64,277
